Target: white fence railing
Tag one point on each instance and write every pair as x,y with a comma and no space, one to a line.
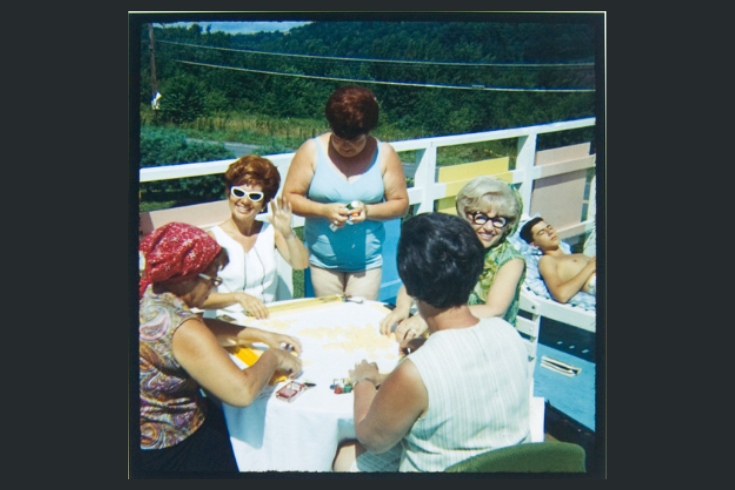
426,189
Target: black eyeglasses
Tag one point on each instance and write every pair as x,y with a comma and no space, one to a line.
216,281
238,193
480,219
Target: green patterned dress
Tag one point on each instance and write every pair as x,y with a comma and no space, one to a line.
495,258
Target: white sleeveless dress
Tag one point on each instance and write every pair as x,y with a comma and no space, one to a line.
253,272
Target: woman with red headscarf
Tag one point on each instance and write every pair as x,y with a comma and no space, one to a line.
181,353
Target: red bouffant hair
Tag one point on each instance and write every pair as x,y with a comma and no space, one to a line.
352,111
254,170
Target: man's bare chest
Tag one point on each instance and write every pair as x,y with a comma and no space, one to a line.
571,264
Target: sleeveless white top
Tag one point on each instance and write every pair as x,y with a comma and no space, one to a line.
253,272
478,390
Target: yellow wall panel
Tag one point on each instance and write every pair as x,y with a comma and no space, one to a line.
471,170
446,205
454,187
506,176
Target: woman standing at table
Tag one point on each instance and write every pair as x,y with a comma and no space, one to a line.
465,391
493,208
179,353
334,170
249,280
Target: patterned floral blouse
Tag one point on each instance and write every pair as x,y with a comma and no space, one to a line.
171,407
495,258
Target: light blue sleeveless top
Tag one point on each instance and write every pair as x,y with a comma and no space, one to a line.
352,248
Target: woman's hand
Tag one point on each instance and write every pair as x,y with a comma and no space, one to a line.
395,316
337,214
410,329
358,213
252,305
276,343
365,370
248,335
281,216
287,363
279,341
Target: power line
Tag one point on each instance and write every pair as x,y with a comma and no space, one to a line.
457,87
376,60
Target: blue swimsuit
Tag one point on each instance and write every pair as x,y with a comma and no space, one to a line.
355,247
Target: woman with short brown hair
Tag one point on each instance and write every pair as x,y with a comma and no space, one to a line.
347,167
250,279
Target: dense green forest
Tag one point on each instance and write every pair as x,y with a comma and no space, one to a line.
206,92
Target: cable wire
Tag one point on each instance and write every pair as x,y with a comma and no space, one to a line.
376,60
456,87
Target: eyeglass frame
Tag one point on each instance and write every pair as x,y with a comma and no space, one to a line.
473,219
246,193
216,281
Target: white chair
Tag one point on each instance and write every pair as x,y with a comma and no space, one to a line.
529,330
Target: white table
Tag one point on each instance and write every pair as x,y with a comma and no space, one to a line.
273,435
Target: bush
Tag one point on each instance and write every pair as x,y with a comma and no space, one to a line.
183,99
160,147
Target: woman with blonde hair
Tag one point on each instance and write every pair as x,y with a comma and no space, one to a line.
493,208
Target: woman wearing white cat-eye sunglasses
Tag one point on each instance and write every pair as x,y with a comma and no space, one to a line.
239,193
249,280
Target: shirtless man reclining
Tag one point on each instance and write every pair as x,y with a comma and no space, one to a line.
564,274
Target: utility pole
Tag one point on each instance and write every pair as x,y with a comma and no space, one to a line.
154,83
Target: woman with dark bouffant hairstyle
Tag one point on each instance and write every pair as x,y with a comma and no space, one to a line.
346,183
466,390
249,280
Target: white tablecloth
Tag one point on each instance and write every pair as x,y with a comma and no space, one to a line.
273,435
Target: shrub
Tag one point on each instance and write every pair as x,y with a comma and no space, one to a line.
160,146
183,99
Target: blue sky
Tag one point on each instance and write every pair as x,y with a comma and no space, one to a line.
242,27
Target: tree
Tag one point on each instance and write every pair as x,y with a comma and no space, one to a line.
183,99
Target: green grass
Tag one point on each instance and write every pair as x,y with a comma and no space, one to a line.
299,288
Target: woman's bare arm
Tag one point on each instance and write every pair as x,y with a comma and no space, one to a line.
196,348
395,192
290,247
383,417
502,292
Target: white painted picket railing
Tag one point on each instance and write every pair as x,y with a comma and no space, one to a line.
535,172
426,189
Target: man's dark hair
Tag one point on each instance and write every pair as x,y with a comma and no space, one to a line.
526,230
440,259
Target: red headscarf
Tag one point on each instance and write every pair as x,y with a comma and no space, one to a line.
176,252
